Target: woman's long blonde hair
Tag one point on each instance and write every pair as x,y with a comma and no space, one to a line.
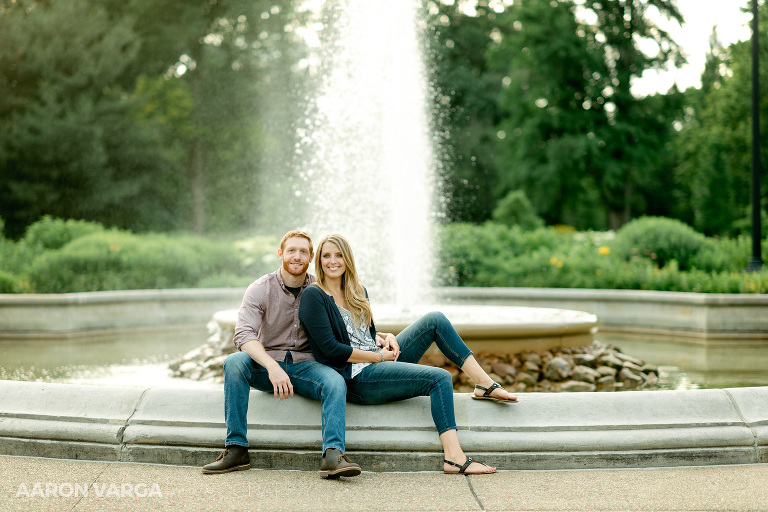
353,291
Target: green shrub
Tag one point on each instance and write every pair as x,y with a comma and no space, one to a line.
50,233
479,255
660,240
7,282
493,255
515,209
119,260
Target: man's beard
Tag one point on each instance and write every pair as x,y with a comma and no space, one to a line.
287,267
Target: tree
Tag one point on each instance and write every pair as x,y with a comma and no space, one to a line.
71,144
233,59
577,140
143,114
551,112
714,146
620,26
466,97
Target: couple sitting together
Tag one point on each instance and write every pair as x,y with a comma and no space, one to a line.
316,337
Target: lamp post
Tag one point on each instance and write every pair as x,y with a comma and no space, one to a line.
756,262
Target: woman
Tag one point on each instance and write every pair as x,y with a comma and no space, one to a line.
379,367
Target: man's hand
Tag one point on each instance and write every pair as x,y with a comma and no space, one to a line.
388,341
281,383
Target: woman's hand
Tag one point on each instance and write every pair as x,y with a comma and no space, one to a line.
389,355
388,341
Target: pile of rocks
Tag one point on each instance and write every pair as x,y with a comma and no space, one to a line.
206,362
596,367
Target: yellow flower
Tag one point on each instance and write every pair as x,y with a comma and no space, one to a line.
597,272
604,250
559,264
553,261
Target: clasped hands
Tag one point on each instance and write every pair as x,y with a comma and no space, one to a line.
390,349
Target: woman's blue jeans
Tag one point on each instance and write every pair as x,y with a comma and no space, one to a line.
309,378
390,381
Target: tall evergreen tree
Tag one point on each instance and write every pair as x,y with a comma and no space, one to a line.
70,142
714,146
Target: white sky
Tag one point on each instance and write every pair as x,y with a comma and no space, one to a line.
700,16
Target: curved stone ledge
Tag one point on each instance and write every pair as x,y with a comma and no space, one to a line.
543,431
704,315
692,314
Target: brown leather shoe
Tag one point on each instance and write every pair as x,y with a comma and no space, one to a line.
336,464
233,458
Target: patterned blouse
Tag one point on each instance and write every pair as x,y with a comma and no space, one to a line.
359,337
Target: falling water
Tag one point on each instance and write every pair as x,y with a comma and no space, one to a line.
365,150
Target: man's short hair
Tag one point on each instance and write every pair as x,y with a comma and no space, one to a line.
296,233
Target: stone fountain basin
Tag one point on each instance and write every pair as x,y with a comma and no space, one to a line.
491,328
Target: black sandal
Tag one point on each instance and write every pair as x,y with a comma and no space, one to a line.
489,390
463,468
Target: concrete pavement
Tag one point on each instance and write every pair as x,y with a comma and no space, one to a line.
36,484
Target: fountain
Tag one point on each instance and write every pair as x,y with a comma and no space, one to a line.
366,163
365,155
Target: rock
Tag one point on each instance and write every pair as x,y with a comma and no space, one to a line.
545,386
606,371
585,374
607,383
215,363
187,367
611,361
527,379
651,380
531,357
558,369
572,386
628,359
496,378
503,369
632,366
531,367
585,360
649,368
629,379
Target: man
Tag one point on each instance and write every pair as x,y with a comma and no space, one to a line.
274,356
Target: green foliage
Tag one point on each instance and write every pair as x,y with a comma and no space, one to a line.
496,255
119,260
50,233
7,281
714,147
583,148
467,94
143,115
486,255
516,209
661,240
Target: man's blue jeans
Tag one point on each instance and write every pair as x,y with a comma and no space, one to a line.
309,378
390,381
